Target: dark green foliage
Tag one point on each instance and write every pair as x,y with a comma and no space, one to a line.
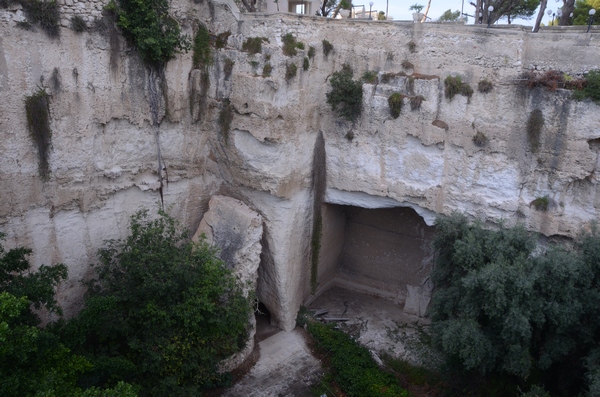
395,103
38,122
416,101
201,48
369,77
225,119
305,64
484,86
221,40
290,45
479,139
44,13
449,16
327,48
312,51
406,65
345,97
454,86
354,371
228,67
291,70
163,312
540,203
267,69
253,45
591,87
78,24
500,307
412,46
535,123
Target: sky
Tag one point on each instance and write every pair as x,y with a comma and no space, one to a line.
399,9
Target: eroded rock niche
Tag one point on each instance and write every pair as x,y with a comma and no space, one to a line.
385,252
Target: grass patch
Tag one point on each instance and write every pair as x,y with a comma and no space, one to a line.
479,139
327,48
406,65
305,64
412,46
395,102
312,51
540,203
78,24
535,123
416,101
253,45
454,86
345,97
44,13
228,67
484,86
370,77
291,70
201,48
37,109
291,45
353,369
267,69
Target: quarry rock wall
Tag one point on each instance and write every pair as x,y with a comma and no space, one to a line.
103,157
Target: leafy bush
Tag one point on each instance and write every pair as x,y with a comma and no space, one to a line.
535,123
291,70
484,86
253,45
38,122
163,312
354,370
148,26
312,51
502,307
327,48
591,87
454,86
289,45
345,97
78,24
395,103
540,203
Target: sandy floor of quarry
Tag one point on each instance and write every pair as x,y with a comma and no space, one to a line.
287,368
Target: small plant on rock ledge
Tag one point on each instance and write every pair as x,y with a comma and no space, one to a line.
291,45
267,69
454,86
291,70
480,139
253,45
540,203
327,48
395,103
484,86
312,51
369,77
345,97
78,24
45,13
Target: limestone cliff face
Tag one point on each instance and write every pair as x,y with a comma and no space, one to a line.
103,159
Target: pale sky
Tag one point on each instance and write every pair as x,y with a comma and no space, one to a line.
399,9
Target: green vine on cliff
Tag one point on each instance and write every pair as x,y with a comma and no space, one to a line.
38,123
148,26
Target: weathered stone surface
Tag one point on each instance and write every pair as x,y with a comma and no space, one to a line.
237,231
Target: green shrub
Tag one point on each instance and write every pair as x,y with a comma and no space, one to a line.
540,203
504,307
267,69
345,97
454,86
354,370
305,64
291,70
290,45
395,103
327,48
78,24
484,86
591,87
38,122
44,13
312,51
148,26
479,139
253,45
201,48
416,101
535,123
370,77
163,312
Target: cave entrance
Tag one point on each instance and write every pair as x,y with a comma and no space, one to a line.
384,252
264,328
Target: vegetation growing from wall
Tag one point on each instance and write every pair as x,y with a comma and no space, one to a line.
148,26
502,307
454,86
370,77
312,51
38,122
406,65
535,123
591,88
395,104
291,45
78,24
253,45
267,69
345,97
484,86
44,13
291,70
353,369
540,203
162,312
479,139
327,48
201,48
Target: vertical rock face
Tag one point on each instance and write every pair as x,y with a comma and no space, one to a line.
103,157
237,231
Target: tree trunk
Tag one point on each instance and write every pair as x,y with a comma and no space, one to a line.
426,11
568,7
249,5
538,20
